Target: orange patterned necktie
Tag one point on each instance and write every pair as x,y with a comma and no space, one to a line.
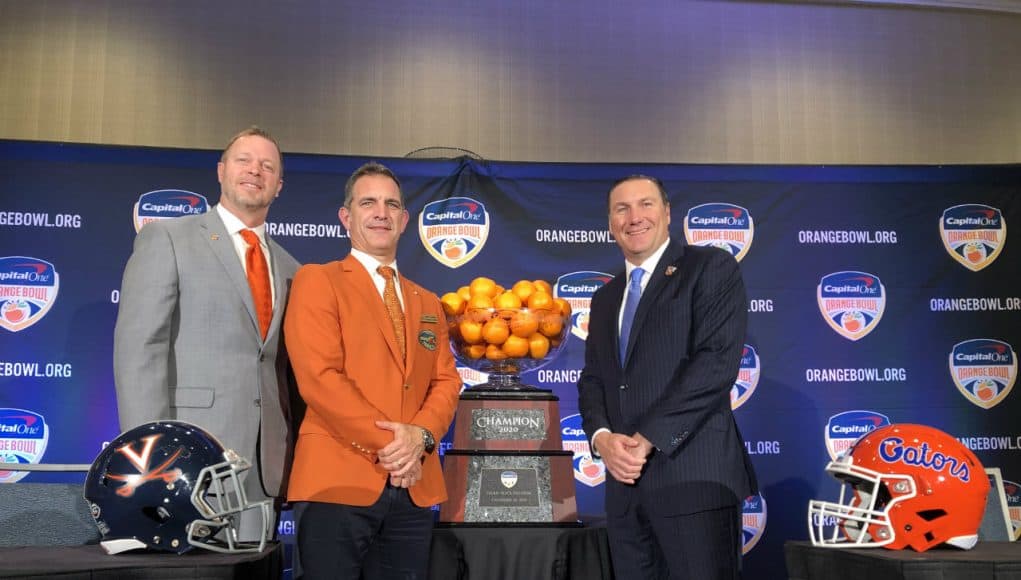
393,306
258,280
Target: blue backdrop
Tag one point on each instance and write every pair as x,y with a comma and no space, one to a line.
876,294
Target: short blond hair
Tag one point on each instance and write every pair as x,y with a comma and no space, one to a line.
258,132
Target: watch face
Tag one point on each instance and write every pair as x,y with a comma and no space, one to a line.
428,441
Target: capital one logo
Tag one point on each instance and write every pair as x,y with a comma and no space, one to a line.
164,204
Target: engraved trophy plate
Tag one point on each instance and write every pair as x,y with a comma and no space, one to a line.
509,488
502,424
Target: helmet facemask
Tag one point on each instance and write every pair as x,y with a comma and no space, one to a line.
220,498
861,517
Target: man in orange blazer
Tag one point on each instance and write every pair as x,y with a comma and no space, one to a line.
371,355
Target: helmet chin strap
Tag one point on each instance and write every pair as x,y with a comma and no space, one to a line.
965,542
122,545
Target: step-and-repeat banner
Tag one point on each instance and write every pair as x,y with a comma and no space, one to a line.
875,294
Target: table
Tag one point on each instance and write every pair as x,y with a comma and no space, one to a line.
493,552
92,563
986,561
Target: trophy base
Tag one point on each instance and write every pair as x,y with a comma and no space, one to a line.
509,487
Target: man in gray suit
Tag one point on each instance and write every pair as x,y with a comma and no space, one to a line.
192,344
662,354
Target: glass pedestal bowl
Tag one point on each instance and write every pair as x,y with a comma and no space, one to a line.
506,342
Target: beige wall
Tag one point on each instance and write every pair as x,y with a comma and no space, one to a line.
548,80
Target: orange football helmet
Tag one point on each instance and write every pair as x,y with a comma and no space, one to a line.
906,486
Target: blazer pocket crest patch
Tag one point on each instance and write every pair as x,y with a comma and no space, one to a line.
427,338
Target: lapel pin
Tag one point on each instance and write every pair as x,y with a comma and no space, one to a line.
214,237
430,318
670,270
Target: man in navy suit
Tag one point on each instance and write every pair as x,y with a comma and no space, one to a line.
662,354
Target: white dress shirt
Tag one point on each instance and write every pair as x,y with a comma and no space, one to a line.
371,264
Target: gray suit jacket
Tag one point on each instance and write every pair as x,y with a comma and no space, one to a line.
187,344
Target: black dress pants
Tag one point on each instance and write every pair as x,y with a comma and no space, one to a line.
388,540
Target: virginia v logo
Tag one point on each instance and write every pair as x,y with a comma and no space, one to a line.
140,460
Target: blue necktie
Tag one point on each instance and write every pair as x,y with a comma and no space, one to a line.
634,294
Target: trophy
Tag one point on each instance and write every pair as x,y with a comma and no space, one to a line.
507,464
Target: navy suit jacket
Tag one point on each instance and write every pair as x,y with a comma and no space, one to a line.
674,385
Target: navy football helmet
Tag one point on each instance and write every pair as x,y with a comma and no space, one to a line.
171,486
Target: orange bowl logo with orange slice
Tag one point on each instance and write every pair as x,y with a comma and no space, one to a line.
28,289
454,230
973,234
984,370
851,302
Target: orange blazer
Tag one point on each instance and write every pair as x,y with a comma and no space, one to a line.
350,374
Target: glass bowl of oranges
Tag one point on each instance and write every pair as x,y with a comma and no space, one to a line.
506,331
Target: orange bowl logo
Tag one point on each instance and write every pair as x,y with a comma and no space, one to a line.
844,429
453,230
753,521
721,225
23,439
984,370
851,302
1013,493
587,469
577,288
471,377
28,289
973,234
747,377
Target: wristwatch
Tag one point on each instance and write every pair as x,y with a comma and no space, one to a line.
428,440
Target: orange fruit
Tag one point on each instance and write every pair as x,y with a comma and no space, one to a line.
538,346
471,331
453,304
480,301
507,301
524,289
515,346
551,324
564,306
494,352
484,286
524,323
465,293
475,351
500,290
541,300
496,331
543,285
